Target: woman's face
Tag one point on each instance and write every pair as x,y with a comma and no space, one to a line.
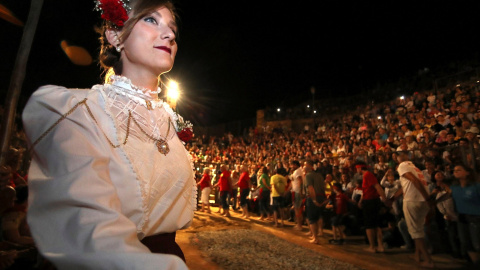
151,47
459,172
439,177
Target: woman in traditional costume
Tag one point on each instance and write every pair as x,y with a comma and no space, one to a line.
111,181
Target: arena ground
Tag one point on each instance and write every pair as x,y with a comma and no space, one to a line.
352,252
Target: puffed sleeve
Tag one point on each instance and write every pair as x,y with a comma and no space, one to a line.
74,211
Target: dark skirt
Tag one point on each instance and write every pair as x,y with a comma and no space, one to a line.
163,243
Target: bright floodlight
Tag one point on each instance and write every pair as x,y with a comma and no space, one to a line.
402,97
278,110
173,91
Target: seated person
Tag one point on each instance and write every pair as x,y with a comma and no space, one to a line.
339,202
392,236
14,225
13,256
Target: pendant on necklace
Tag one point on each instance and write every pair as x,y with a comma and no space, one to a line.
162,147
149,105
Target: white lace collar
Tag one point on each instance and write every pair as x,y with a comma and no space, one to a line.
124,86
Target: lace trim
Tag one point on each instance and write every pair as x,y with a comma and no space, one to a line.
173,115
145,219
115,109
127,84
123,86
194,188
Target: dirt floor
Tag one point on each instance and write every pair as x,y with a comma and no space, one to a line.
351,252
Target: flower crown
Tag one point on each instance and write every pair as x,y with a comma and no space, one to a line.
114,11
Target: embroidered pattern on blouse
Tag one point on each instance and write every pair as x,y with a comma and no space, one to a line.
146,161
124,87
140,226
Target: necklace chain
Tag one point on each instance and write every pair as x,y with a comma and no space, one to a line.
109,141
57,122
161,144
150,136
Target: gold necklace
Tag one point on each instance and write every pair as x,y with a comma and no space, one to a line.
64,116
161,144
110,142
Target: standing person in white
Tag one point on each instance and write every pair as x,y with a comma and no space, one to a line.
297,189
111,181
415,205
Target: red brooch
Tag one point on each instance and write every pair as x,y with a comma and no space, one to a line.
185,135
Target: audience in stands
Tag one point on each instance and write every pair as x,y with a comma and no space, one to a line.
439,130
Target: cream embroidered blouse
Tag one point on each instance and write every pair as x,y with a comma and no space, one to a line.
90,204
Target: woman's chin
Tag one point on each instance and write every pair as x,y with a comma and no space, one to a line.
163,69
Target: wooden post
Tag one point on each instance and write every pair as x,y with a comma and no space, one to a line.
18,76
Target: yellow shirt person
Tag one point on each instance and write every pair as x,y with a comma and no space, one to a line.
278,183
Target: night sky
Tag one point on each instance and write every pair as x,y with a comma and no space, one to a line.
237,57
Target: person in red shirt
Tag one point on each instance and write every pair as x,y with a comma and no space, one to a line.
244,185
339,201
205,186
371,205
225,188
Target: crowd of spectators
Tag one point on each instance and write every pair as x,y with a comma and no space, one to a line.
438,129
17,248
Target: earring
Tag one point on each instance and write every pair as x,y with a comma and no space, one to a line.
119,49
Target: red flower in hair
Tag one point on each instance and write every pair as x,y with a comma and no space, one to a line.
186,134
113,11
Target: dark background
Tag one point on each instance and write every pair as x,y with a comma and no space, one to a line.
237,57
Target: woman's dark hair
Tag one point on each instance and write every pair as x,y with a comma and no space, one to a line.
471,176
108,56
296,163
309,162
339,186
432,176
282,171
